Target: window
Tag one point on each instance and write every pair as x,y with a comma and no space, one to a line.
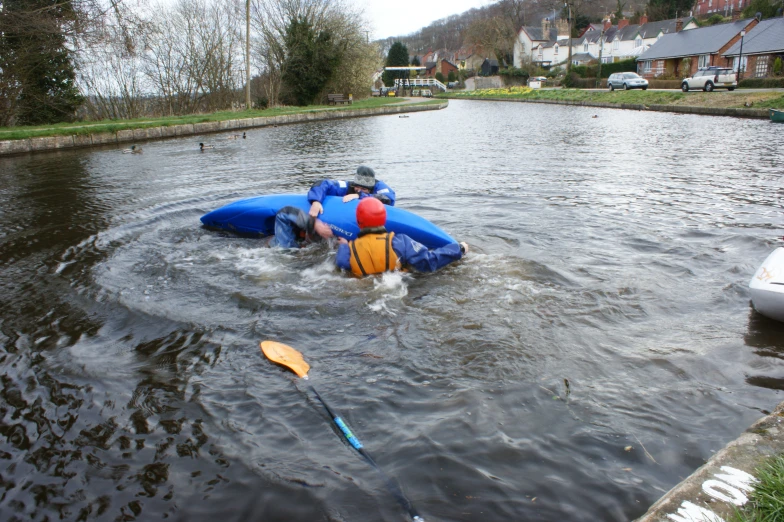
585,47
761,68
606,59
616,44
743,65
555,49
704,60
638,42
646,66
710,3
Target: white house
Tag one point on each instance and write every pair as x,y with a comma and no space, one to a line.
543,45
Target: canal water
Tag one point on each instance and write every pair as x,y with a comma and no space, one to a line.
594,348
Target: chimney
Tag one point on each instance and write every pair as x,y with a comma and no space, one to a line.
545,29
623,23
678,25
562,28
607,24
644,19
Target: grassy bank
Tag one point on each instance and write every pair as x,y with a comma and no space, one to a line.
94,127
716,99
766,501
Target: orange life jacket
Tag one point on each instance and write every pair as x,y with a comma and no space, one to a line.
373,254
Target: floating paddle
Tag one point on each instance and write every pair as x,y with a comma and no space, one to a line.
290,358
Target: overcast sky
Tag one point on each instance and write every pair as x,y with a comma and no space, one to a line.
402,17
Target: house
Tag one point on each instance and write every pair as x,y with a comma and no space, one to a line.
445,67
469,60
722,7
532,41
625,40
489,67
430,69
761,46
681,53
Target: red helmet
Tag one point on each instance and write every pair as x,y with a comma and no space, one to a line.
371,213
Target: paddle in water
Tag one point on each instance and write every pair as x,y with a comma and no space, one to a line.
290,358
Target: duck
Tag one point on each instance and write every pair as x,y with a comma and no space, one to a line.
748,104
202,146
243,135
132,150
403,116
595,116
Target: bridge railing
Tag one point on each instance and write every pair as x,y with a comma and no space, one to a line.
419,82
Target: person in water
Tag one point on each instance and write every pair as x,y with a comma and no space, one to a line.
294,227
363,185
375,250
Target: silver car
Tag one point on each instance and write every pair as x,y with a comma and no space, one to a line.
626,81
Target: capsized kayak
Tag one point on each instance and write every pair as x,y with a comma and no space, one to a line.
256,216
767,286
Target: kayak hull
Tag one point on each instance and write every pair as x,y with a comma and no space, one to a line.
767,286
256,216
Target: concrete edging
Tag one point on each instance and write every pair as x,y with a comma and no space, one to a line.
48,143
717,488
708,111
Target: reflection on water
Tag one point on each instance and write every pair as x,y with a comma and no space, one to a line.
612,253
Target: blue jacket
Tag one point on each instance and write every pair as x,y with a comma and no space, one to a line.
412,255
333,187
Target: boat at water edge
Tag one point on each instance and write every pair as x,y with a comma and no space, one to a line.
776,115
767,286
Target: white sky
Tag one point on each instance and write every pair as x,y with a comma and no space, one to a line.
402,17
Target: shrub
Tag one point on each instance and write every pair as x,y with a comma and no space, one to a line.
440,77
761,83
777,66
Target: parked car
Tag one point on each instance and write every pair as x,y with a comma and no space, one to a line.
415,92
710,78
626,81
427,93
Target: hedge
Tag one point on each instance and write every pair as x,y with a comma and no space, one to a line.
761,83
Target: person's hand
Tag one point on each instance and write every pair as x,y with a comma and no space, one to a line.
342,241
349,197
322,229
316,209
464,247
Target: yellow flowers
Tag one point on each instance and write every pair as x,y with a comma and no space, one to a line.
502,91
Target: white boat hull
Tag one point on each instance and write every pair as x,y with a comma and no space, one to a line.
767,286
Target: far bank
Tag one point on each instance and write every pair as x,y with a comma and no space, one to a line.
89,134
741,104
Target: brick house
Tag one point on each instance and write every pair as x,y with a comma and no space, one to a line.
761,46
722,7
703,47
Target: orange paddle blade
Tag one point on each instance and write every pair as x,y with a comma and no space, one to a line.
286,356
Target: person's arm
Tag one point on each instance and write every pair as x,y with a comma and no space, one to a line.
343,257
416,255
322,189
384,193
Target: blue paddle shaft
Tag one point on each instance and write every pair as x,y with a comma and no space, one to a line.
347,432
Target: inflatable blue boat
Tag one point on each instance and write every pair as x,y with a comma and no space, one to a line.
256,216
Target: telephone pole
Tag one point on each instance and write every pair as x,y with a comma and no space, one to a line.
247,55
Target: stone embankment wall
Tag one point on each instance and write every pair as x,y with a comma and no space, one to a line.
152,133
714,491
708,111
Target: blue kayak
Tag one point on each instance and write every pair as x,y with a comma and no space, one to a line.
256,216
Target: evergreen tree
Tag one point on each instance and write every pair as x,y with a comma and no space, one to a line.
311,60
766,8
669,9
38,78
415,61
397,57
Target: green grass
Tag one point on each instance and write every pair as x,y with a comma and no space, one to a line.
94,127
766,502
720,99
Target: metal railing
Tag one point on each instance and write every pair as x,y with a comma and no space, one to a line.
419,82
